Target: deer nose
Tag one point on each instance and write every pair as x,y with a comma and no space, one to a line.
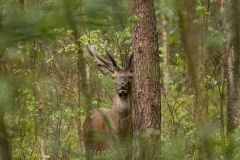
123,85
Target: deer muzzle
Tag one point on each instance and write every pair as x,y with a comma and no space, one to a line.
123,89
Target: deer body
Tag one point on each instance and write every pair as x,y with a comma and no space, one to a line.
99,132
103,127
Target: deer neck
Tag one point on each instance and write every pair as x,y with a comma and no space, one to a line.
122,105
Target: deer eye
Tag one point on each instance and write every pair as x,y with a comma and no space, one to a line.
130,76
113,76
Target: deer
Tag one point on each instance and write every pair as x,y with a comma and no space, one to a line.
104,127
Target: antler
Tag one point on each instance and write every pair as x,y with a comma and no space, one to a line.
109,55
92,50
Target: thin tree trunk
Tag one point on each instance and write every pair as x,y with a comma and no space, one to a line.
42,128
165,52
233,69
81,67
221,8
5,149
5,153
42,114
147,79
82,88
190,35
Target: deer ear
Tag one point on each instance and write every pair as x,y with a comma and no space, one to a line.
105,70
130,63
130,68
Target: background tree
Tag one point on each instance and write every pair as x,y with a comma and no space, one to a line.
146,78
190,37
233,68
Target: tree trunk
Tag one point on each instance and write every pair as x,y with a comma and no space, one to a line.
42,123
147,79
83,91
42,112
165,52
5,152
233,69
190,35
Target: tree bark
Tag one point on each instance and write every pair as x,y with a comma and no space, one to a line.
147,79
233,69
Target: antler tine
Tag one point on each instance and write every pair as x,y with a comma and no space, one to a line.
109,55
130,61
92,50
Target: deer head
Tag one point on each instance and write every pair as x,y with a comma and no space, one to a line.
121,76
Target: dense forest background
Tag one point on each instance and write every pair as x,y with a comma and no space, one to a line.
48,83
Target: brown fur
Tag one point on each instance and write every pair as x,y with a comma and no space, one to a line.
105,128
95,131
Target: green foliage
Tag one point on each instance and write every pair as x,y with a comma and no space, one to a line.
23,127
215,38
39,46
